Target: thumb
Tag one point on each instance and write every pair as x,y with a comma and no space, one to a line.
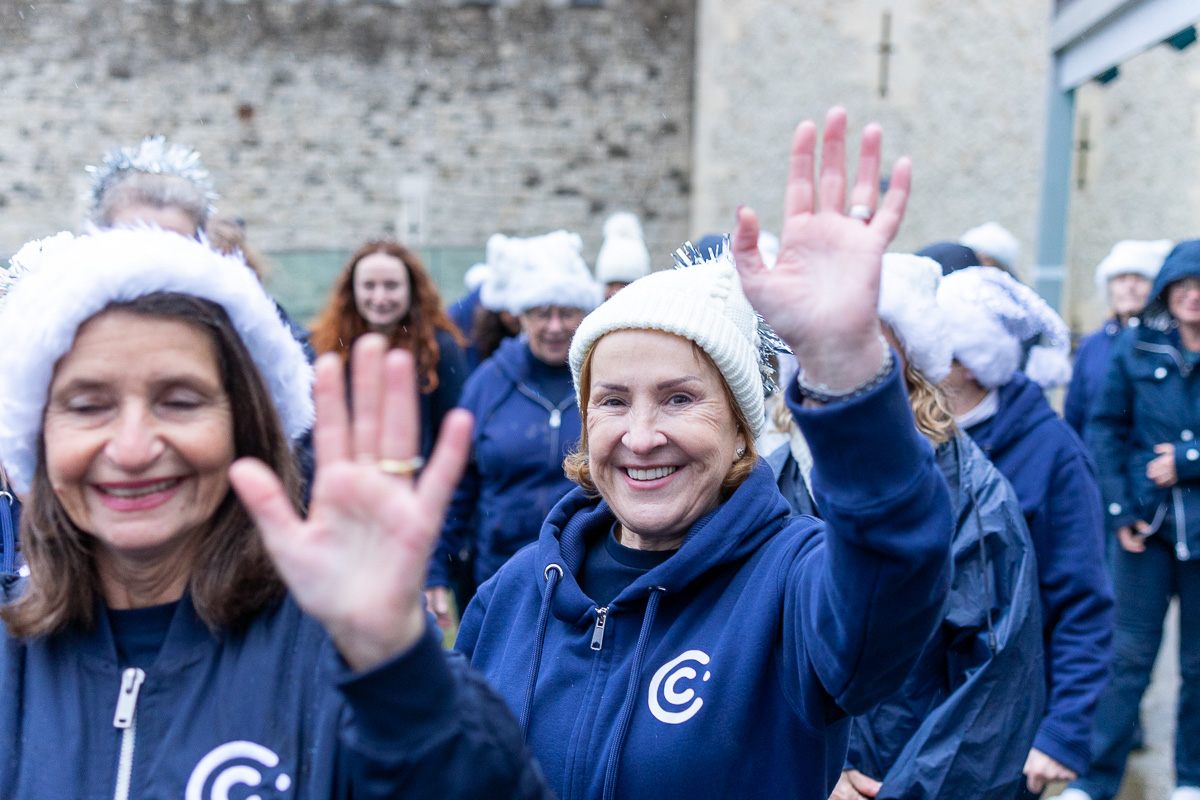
745,243
867,786
1163,449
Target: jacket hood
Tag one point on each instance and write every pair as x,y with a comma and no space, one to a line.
512,357
1022,408
732,530
1182,262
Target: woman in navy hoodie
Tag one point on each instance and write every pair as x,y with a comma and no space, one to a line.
183,633
675,633
989,314
1143,433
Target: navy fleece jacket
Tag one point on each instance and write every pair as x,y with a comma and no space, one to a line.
727,670
1056,484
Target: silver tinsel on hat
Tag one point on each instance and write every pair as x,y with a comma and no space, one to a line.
154,156
769,343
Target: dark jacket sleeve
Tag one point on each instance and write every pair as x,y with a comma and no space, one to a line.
1108,434
1077,602
1075,405
426,725
1187,461
866,602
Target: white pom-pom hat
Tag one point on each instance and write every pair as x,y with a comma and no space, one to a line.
989,314
1134,256
703,303
67,280
993,239
546,270
908,304
623,257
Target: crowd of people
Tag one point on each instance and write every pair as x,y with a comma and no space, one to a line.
794,518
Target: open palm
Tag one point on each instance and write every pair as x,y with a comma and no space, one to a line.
822,294
358,562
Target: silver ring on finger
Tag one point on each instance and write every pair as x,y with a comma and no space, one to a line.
862,212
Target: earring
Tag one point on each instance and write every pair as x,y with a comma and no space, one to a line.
741,451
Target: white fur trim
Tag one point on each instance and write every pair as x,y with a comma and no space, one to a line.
476,276
1135,256
73,280
908,304
623,257
702,303
993,239
547,270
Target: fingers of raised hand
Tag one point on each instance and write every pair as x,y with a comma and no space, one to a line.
400,426
833,162
264,498
866,183
799,196
441,476
746,254
887,219
366,381
331,441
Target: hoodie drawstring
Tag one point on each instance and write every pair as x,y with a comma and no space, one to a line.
553,574
639,654
993,643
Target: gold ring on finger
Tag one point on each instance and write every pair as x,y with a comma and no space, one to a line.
404,467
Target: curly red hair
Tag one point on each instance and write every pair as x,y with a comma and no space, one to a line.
339,324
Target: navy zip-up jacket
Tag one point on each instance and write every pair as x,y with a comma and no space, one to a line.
271,712
1088,374
1055,481
727,670
515,474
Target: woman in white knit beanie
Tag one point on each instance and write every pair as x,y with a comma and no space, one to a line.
674,632
623,257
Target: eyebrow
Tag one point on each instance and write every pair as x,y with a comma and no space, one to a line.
671,384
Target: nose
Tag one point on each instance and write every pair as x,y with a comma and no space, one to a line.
643,434
134,445
556,324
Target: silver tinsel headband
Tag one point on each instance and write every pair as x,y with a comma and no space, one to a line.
153,156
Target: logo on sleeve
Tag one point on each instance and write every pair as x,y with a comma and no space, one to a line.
680,706
236,764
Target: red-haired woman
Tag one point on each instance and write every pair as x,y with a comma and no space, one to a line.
386,289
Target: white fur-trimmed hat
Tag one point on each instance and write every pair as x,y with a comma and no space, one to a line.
623,257
908,304
993,239
66,280
1135,256
703,303
989,314
546,270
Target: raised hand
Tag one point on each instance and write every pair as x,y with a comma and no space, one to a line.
822,295
358,563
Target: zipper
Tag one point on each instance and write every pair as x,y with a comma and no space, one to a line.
598,631
555,418
1181,548
555,414
125,720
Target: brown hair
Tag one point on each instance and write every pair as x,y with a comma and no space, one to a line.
227,235
155,190
339,324
576,464
232,579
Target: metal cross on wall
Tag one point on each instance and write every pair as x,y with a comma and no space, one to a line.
885,52
1082,149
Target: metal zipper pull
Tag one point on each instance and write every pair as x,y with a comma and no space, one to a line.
598,631
1182,552
555,418
131,684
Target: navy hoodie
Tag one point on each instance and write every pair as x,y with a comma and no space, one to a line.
515,474
727,670
1087,374
272,712
1056,484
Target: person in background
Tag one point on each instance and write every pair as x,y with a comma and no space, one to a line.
952,256
995,245
1124,278
462,311
492,322
1143,433
145,413
526,417
988,315
152,184
623,256
385,288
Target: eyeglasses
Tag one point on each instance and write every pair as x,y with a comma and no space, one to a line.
566,314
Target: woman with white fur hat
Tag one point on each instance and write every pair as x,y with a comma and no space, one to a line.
988,315
988,649
995,245
1124,279
524,407
623,256
673,633
146,405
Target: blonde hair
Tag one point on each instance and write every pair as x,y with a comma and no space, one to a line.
576,464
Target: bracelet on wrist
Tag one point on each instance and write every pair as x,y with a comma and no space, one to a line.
821,393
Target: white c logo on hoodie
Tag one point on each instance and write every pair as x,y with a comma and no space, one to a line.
673,697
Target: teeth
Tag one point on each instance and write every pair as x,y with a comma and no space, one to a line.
141,491
650,474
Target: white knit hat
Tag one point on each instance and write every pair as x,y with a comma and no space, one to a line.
623,257
989,314
546,270
908,304
703,303
1135,256
59,283
993,239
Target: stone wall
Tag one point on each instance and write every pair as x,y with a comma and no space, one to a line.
324,123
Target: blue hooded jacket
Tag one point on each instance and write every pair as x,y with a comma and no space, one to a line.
515,475
1055,482
1088,374
272,711
955,729
727,670
1152,396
